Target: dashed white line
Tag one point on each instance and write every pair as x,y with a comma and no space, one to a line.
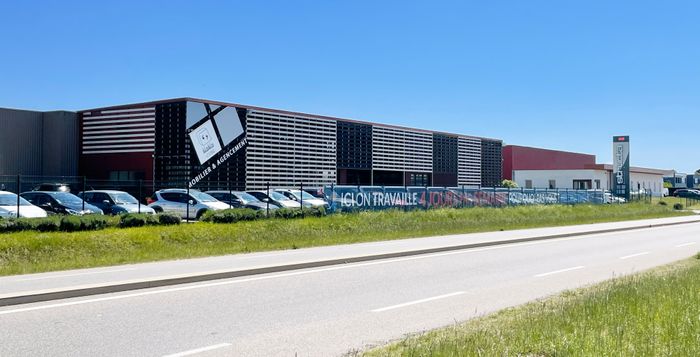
198,350
418,301
685,244
75,274
559,271
634,255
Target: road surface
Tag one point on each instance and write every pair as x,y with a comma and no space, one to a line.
332,310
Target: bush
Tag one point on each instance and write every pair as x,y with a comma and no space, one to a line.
137,220
678,206
288,213
70,224
93,222
48,224
168,219
233,215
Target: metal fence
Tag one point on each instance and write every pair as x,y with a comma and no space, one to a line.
340,198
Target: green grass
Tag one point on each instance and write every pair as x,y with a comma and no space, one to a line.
651,314
30,252
687,204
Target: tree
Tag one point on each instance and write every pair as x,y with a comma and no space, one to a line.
509,184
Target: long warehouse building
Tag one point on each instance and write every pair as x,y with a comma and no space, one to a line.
206,143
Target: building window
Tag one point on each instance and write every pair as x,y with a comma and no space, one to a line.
597,184
528,183
582,184
552,184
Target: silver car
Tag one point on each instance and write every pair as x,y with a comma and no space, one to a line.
176,200
304,197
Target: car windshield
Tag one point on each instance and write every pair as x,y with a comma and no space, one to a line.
66,198
305,195
123,198
245,196
278,196
202,197
10,199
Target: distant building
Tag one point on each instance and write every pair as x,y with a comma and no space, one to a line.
552,169
38,143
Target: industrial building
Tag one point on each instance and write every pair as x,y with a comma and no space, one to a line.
552,169
38,143
206,143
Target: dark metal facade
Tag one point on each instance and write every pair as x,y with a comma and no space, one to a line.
491,162
38,143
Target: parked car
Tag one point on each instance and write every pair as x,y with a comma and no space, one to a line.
115,202
687,193
610,198
304,197
239,199
275,198
8,207
60,202
316,192
57,187
175,200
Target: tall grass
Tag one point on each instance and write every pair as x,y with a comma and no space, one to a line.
27,252
651,314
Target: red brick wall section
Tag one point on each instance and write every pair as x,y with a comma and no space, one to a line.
527,158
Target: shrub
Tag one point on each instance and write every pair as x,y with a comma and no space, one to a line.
233,215
70,224
678,206
168,219
93,222
48,224
132,220
7,225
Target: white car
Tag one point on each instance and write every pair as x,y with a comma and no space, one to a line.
609,198
8,207
175,200
305,197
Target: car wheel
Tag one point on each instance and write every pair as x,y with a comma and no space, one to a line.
157,209
200,213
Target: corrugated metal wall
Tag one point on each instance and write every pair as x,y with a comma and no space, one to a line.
38,143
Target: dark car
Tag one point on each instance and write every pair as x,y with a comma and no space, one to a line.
275,198
60,202
115,202
239,199
687,193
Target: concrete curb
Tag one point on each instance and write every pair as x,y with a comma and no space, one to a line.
32,297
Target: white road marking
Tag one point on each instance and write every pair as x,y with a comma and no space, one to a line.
685,244
309,271
634,255
418,301
76,274
559,271
198,350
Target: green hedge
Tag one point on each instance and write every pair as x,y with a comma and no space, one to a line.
90,222
246,214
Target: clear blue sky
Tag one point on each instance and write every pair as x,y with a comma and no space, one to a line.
556,74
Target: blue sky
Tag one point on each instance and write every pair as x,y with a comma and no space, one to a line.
556,74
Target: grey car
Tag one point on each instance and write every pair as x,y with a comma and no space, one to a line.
177,200
240,199
115,202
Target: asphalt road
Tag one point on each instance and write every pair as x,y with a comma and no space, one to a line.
332,310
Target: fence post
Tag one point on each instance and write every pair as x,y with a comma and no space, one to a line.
83,195
140,194
464,197
187,214
332,205
301,198
19,189
426,197
268,199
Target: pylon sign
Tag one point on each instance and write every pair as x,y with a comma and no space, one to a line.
621,167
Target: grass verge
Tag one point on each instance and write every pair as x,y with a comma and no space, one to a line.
650,314
30,252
